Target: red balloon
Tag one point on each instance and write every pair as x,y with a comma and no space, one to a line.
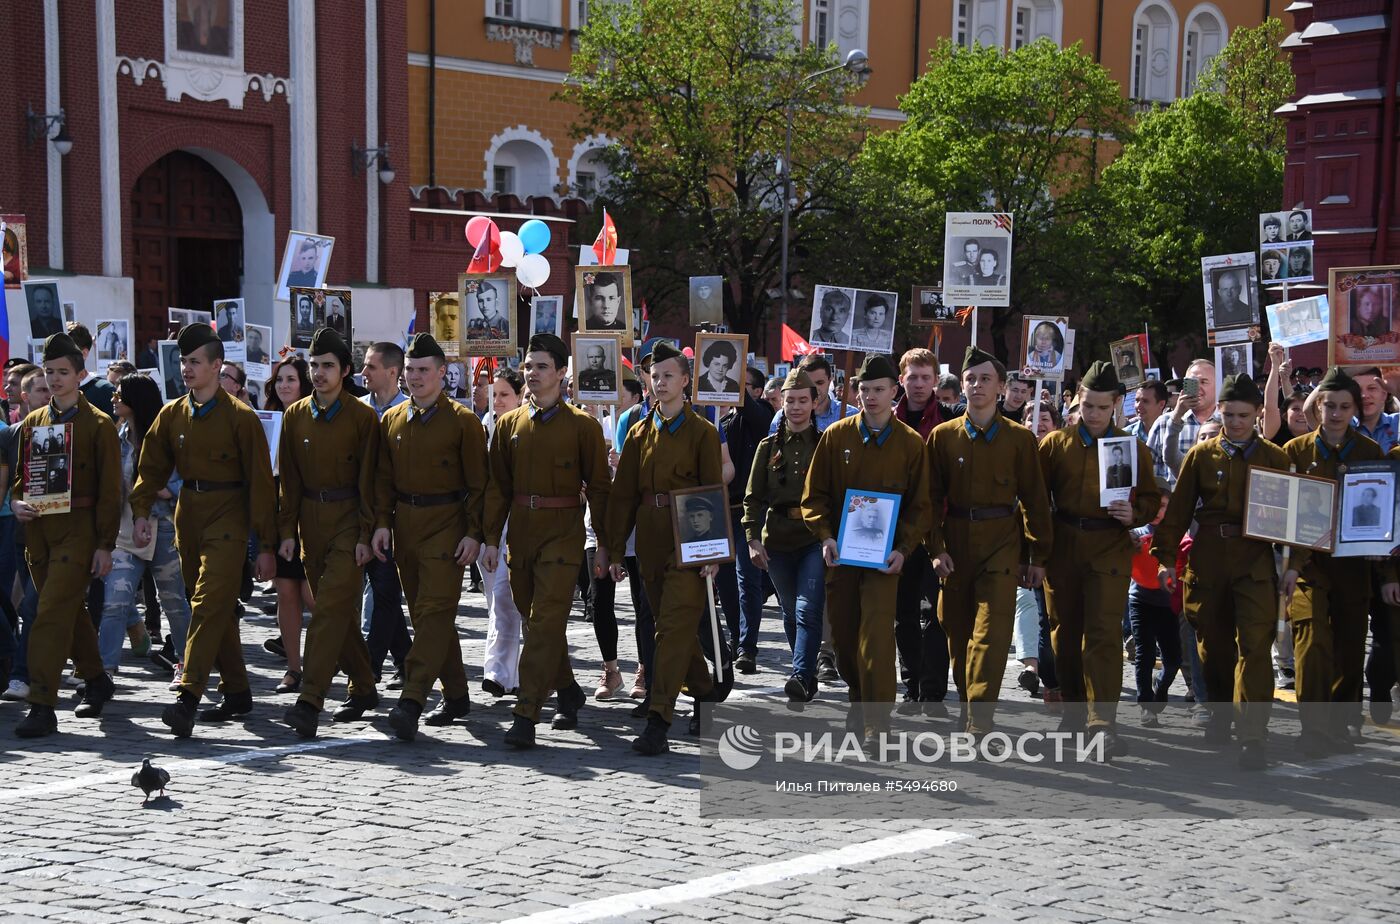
478,227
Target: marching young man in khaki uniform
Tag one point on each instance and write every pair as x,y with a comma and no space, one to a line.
430,490
872,451
66,551
543,454
985,481
672,448
217,444
1328,597
1230,590
1090,564
329,447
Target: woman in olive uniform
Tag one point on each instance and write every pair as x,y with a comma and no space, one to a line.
66,551
673,448
430,490
328,451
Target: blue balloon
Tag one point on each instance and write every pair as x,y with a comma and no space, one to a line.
534,234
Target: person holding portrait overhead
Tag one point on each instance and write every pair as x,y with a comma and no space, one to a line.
719,357
1368,317
1227,308
832,312
605,303
1090,564
871,334
1329,596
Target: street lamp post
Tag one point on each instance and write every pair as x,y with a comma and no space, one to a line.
857,62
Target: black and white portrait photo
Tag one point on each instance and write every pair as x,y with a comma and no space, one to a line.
1298,263
1127,361
547,315
48,470
229,321
112,340
1368,504
304,262
306,310
1272,264
259,342
1117,468
337,312
454,378
45,315
1229,282
604,300
872,322
702,526
488,309
1299,226
706,300
444,320
930,308
1313,524
1270,230
831,317
719,368
1235,359
597,368
866,532
977,258
172,382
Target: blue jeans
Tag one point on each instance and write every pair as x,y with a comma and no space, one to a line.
382,620
123,584
740,586
1154,628
28,609
799,578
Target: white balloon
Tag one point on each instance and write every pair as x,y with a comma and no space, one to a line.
511,248
532,270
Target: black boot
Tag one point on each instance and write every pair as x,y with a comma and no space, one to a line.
303,718
403,719
449,710
98,692
569,702
642,709
232,706
490,686
652,740
41,721
701,720
355,707
521,734
179,715
799,689
746,663
1253,756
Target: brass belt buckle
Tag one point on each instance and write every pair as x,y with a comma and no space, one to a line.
533,498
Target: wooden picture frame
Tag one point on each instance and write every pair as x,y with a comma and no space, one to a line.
486,325
713,350
928,309
603,301
600,384
702,542
1274,511
1353,292
1130,349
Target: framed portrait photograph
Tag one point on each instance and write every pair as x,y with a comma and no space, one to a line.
702,528
603,300
272,429
172,383
720,369
1294,323
872,321
1044,349
336,312
1235,359
930,308
597,368
230,324
445,321
15,262
257,361
70,313
111,341
831,317
45,313
1231,286
1291,509
1127,361
866,533
706,300
305,262
1117,468
48,468
977,258
457,381
1363,301
305,306
488,314
547,315
1367,517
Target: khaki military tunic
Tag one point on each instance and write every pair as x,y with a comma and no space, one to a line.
545,457
860,601
773,499
661,456
327,459
59,546
989,501
430,488
220,451
1230,585
1090,567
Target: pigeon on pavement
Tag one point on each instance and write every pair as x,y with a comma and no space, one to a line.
149,779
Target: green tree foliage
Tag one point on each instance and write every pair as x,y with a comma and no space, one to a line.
694,95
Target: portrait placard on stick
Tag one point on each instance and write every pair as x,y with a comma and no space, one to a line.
977,258
603,300
1303,320
1231,286
1363,301
488,314
1236,359
719,368
1117,468
702,527
304,263
706,300
930,309
48,469
1367,515
1291,509
1127,361
597,365
1044,346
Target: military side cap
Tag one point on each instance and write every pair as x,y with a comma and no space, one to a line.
976,357
627,374
58,346
1241,388
1337,380
424,346
663,351
1101,377
548,343
326,340
797,378
193,336
877,366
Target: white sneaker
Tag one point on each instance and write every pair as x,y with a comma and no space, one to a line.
16,692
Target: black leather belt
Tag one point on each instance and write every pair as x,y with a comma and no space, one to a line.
432,500
656,500
980,513
1089,524
1223,530
331,495
203,486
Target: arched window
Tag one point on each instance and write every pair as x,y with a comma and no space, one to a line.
1154,52
588,172
1035,19
979,22
1204,38
520,162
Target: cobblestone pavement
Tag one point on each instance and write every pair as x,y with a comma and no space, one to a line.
260,826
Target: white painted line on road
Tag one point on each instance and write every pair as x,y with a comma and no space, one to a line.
178,768
631,902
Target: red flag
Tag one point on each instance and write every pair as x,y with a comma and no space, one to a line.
646,321
605,245
793,345
481,257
